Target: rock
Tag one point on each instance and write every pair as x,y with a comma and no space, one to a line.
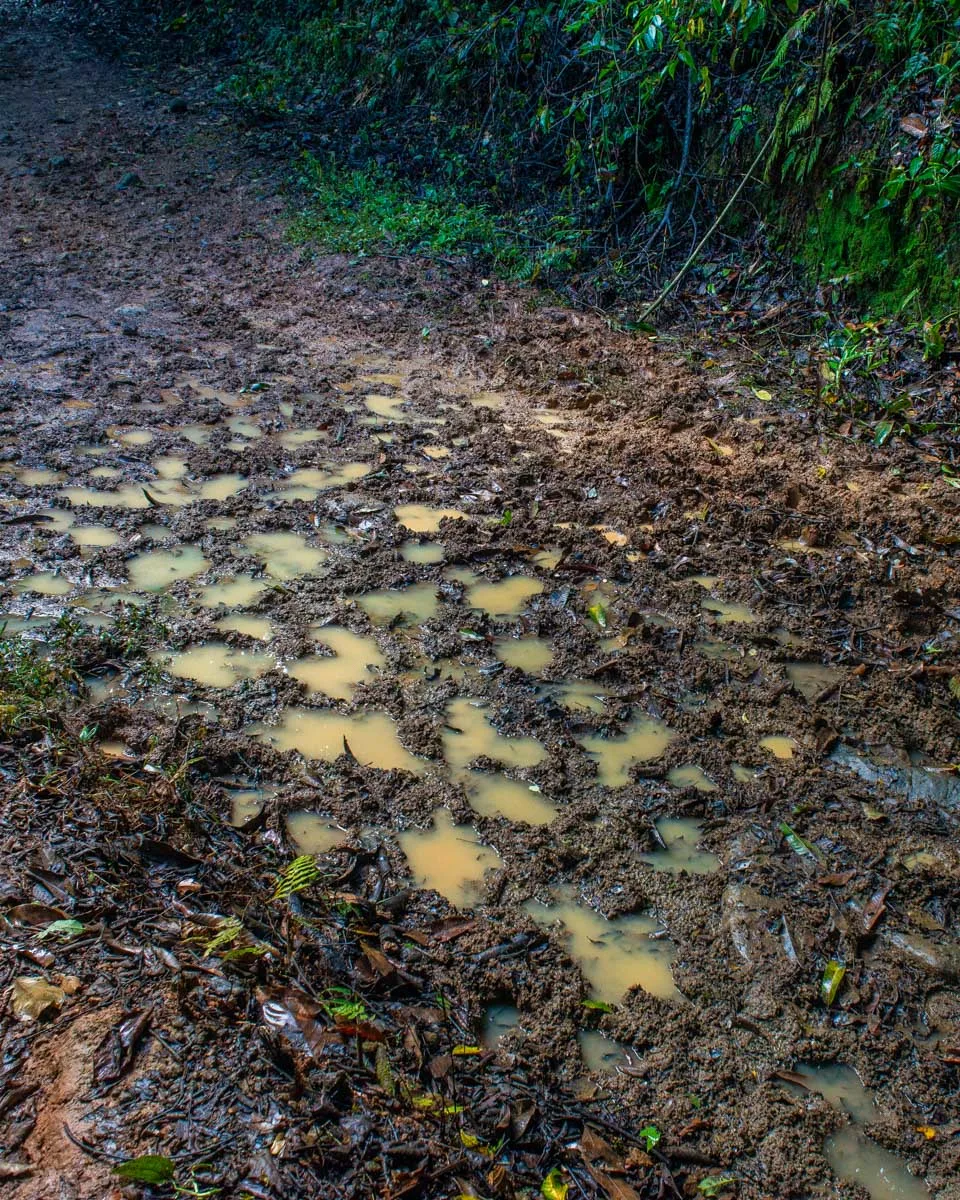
128,180
177,105
58,161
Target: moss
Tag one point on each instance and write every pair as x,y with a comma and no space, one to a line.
884,256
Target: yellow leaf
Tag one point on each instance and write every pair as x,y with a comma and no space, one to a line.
762,394
554,1187
928,1131
470,1141
460,1050
720,450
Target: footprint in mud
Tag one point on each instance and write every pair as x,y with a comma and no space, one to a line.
468,735
352,660
614,956
680,836
449,858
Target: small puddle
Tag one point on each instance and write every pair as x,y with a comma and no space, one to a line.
351,661
220,524
294,438
601,1053
39,476
309,482
579,695
468,735
691,775
505,597
487,399
495,795
498,1021
388,407
106,473
421,518
810,679
705,581
313,834
435,452
258,628
247,802
779,745
449,858
155,570
614,956
643,740
728,612
237,592
215,664
680,836
422,552
530,654
44,583
243,427
131,437
840,1086
285,555
94,535
613,536
717,651
417,603
325,734
162,491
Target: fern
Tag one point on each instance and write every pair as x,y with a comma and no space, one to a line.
793,34
296,876
228,932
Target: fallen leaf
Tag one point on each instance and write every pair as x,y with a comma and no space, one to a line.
554,1186
33,997
149,1168
118,1047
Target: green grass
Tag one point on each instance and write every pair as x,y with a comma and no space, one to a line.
369,211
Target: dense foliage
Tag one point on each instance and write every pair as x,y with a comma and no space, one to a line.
613,133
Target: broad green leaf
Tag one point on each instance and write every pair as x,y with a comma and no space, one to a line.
554,1187
762,394
64,930
597,1005
149,1168
833,974
598,614
651,1135
933,343
881,432
713,1185
798,845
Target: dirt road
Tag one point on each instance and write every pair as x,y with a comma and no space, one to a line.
639,679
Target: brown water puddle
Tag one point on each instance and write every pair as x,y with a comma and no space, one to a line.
44,583
215,664
246,802
38,476
314,834
680,836
155,570
244,427
325,734
423,553
851,1154
435,452
810,679
602,1053
309,482
258,628
728,612
468,735
352,660
421,518
293,439
614,956
236,592
131,437
530,654
691,775
498,1021
579,695
449,858
496,795
94,536
416,603
779,745
285,555
504,597
163,491
643,740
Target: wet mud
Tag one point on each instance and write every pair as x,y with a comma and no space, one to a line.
634,688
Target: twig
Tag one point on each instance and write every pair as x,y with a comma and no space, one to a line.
655,304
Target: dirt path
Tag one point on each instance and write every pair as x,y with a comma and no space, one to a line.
662,610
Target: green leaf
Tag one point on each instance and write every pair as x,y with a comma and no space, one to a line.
933,343
554,1187
598,614
798,845
651,1135
64,930
296,876
507,517
833,974
597,1006
149,1168
881,432
713,1185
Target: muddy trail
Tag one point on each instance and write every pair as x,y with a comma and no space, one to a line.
492,758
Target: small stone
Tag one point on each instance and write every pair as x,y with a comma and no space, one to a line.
177,105
57,161
128,180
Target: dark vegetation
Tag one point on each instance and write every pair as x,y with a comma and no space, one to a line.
592,143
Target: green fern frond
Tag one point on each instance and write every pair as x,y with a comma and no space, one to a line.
296,876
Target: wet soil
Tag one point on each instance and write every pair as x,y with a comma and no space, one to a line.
177,375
